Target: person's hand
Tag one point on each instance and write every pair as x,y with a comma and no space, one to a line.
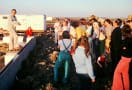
93,80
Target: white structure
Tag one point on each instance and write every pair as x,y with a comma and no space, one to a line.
37,22
4,22
10,55
49,18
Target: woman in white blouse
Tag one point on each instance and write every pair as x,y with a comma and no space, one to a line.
83,63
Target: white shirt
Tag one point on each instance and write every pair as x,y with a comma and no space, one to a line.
108,30
57,26
66,42
82,63
65,28
12,23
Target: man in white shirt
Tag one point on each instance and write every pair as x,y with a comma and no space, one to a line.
12,23
57,26
108,30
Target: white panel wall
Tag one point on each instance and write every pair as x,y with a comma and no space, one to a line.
37,22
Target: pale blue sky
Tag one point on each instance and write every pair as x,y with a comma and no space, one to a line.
72,8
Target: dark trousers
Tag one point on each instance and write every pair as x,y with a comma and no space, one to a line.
115,56
101,47
96,47
85,82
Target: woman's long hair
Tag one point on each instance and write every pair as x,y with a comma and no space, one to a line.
83,41
126,31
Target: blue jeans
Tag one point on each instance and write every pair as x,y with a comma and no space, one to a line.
64,57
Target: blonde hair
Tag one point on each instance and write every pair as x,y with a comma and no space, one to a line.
96,26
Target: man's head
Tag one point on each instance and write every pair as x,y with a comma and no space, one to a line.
117,23
13,12
107,22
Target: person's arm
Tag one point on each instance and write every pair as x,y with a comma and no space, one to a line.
14,23
99,64
89,67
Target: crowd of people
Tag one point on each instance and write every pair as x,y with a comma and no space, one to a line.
90,42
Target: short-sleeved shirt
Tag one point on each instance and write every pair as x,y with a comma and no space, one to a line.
66,42
80,32
108,31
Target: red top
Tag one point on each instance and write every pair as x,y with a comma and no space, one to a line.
29,32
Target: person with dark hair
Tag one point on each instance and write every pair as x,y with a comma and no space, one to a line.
69,22
119,22
115,44
89,35
12,23
121,75
92,20
83,64
101,39
108,28
79,30
129,22
65,26
64,57
83,23
73,31
95,40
